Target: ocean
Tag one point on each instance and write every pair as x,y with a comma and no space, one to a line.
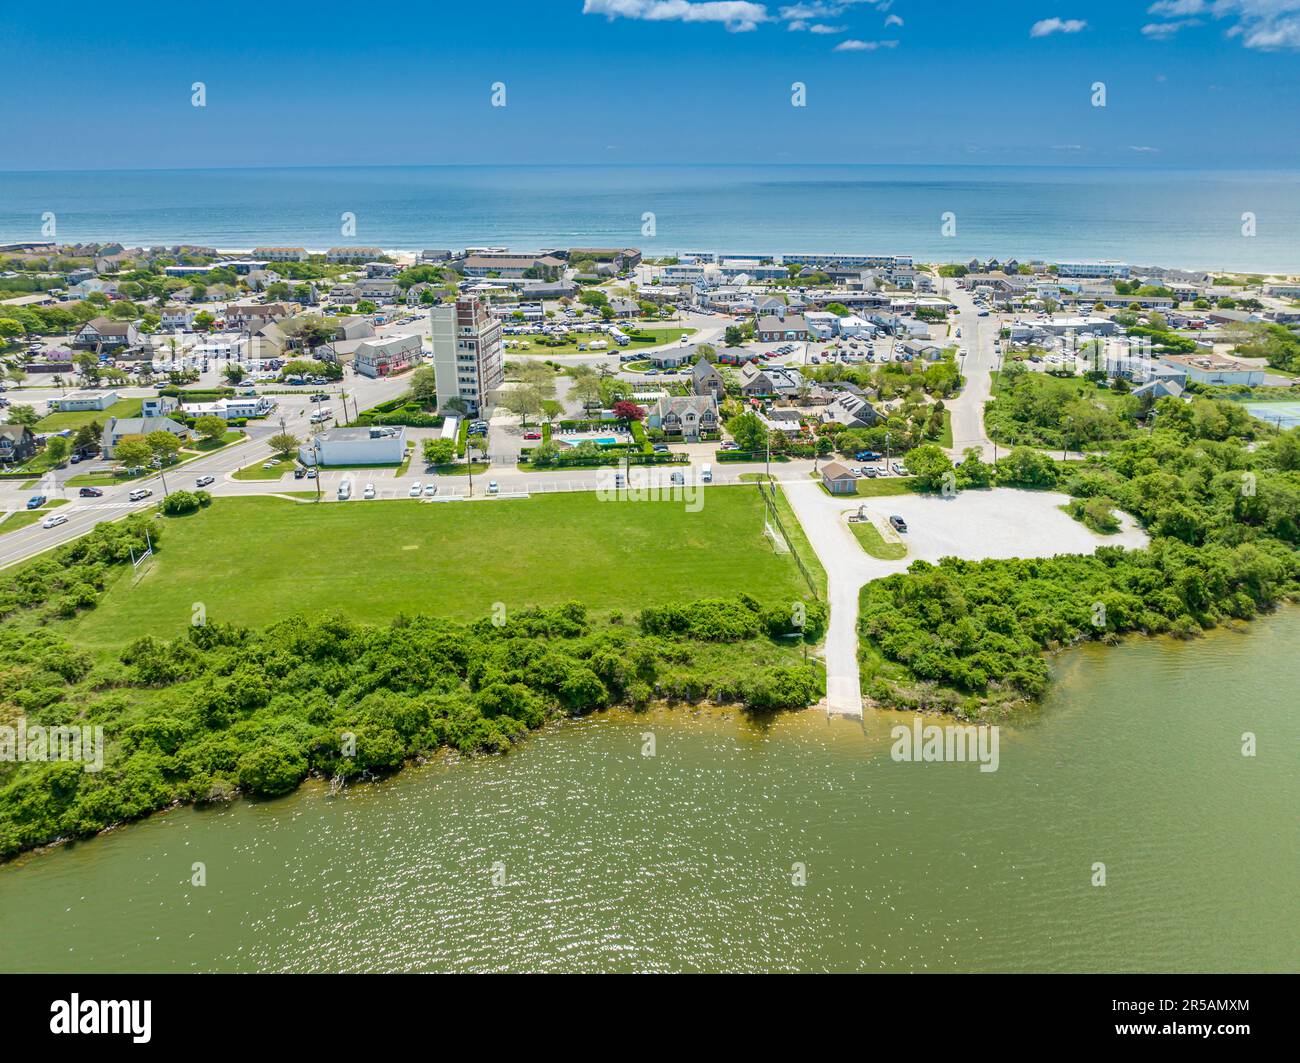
1185,218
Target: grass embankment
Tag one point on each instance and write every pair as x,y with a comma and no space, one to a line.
252,561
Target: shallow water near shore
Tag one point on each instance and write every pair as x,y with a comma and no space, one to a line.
578,852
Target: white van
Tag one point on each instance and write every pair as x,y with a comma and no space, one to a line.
345,490
706,474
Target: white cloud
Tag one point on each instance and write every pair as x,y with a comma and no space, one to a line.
1047,26
864,46
1144,149
1264,25
739,16
893,20
1161,31
820,28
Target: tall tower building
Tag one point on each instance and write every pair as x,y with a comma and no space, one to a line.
467,356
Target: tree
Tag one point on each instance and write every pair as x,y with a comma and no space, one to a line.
586,386
749,432
163,445
203,321
551,409
210,427
56,449
734,336
1026,467
438,451
974,472
930,465
628,411
233,373
88,436
525,401
24,415
132,452
284,444
424,386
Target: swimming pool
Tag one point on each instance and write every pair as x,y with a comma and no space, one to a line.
604,441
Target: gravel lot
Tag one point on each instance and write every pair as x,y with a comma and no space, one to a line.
998,523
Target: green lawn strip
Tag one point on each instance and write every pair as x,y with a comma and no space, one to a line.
256,472
252,560
799,541
21,519
870,539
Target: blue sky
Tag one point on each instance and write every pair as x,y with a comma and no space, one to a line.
1188,82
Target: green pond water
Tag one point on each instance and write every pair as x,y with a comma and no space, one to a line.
684,861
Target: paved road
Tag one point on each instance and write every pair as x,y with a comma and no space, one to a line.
977,336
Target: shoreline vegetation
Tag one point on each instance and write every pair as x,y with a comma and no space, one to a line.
221,710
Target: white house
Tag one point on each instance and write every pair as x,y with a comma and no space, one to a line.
355,446
80,401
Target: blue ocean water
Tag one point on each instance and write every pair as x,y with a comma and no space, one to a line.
1189,218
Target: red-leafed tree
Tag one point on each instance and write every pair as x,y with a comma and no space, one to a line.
628,411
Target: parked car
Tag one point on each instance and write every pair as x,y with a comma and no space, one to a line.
90,492
369,492
898,469
532,435
299,472
415,490
139,494
203,481
311,474
898,524
493,487
660,448
869,472
36,501
866,455
430,490
54,520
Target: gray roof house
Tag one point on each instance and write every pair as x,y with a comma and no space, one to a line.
685,415
776,329
852,411
757,381
119,427
706,380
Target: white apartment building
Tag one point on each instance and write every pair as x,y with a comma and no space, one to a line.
467,357
1109,269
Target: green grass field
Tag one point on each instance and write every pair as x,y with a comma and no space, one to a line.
57,422
660,336
251,560
870,539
